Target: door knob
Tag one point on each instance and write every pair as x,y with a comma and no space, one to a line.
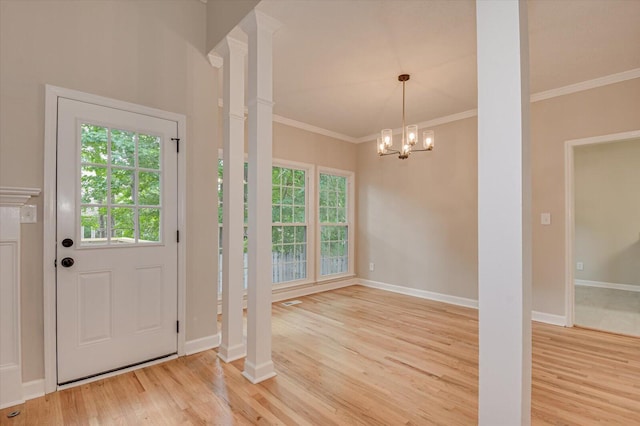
67,242
67,262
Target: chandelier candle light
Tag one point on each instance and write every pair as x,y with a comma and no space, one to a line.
409,135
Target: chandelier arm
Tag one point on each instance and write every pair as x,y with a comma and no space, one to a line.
393,152
418,150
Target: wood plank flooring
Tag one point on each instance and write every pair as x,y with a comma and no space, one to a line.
360,356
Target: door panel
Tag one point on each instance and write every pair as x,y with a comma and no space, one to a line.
117,203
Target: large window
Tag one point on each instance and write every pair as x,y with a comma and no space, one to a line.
334,214
295,256
290,214
289,229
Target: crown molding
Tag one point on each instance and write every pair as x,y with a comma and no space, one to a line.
586,85
429,123
313,129
548,94
539,96
12,196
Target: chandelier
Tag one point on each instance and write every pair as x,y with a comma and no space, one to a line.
409,135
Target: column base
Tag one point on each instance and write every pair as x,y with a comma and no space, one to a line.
260,373
232,353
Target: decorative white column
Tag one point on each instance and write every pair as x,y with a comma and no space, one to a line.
12,213
259,28
504,213
232,346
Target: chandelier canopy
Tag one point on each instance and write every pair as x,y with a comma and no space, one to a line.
409,134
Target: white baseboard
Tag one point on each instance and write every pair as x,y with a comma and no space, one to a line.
549,318
455,300
285,294
33,389
202,344
303,290
612,286
423,294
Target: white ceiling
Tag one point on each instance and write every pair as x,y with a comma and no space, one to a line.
336,62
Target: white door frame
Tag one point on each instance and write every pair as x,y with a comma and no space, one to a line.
569,200
49,216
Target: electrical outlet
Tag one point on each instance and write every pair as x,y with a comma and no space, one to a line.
580,266
371,266
545,219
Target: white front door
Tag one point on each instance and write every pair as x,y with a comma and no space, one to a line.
117,252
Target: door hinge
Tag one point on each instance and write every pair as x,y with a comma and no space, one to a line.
177,140
178,236
177,326
55,263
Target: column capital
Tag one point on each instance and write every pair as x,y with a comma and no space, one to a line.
232,43
215,59
256,20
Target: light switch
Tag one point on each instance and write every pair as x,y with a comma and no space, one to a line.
545,219
28,214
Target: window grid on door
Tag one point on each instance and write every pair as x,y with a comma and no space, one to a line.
120,186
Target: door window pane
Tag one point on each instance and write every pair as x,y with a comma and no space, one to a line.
93,184
93,225
148,152
149,188
94,144
122,185
149,225
122,225
123,148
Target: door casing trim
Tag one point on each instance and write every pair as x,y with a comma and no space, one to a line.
52,93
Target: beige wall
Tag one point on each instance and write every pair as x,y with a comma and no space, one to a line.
150,53
607,212
417,219
222,16
294,144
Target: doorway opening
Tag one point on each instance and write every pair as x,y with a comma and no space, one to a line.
603,233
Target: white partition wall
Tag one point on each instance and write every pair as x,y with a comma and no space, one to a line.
11,202
504,214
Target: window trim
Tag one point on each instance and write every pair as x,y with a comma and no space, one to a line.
350,175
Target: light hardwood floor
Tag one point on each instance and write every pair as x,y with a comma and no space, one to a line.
359,356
